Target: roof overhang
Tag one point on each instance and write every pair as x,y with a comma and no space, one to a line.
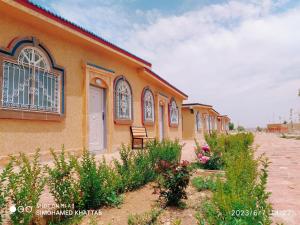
196,105
49,17
213,111
165,83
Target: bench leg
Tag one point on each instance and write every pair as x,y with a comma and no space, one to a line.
132,143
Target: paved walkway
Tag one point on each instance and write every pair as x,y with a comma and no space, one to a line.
284,176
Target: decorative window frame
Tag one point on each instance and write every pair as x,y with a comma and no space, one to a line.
171,124
144,120
118,120
10,54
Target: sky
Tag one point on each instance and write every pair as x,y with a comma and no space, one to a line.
241,56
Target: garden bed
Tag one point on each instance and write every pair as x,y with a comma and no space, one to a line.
144,200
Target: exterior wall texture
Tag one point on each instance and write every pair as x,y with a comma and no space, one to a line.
189,123
72,53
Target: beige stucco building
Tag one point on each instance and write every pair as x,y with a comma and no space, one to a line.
199,119
61,84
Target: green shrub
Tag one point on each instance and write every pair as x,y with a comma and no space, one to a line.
166,150
136,168
99,185
26,184
111,184
63,182
146,218
172,181
4,190
242,198
210,157
207,183
90,182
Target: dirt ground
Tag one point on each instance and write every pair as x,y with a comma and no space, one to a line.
143,200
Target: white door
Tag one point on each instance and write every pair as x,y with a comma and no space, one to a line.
96,119
161,122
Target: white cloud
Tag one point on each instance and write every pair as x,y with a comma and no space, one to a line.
239,57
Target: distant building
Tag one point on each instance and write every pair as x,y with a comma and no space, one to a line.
277,128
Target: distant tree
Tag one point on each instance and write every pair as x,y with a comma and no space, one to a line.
284,122
231,126
259,129
240,128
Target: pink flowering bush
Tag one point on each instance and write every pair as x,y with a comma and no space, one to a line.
208,159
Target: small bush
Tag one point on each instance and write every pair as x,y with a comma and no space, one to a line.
4,190
135,168
99,185
209,157
26,184
63,182
111,184
208,183
242,198
172,181
166,150
146,218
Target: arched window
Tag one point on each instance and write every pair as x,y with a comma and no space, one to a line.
30,83
148,106
123,99
173,113
198,121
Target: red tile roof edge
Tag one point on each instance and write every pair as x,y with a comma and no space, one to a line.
166,82
79,29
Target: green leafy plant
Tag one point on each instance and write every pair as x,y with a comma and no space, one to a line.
26,183
63,183
166,150
4,190
147,218
99,184
135,168
209,157
111,184
231,126
241,198
172,181
207,183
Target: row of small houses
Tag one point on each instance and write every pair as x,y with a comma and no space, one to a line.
61,84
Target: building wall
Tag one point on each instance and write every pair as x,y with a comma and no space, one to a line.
188,123
73,53
277,128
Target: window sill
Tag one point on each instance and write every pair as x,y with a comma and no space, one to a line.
123,122
145,123
173,125
29,115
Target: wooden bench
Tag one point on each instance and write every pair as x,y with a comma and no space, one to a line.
139,134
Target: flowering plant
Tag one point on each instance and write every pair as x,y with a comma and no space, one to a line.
207,158
172,181
202,153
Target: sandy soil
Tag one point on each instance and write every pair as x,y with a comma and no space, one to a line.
143,200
